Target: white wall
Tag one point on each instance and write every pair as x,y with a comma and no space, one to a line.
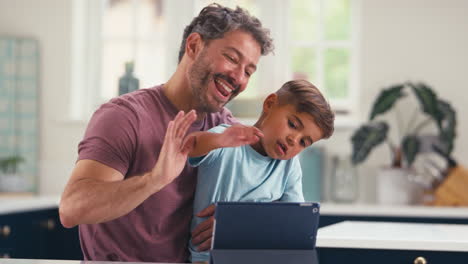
420,40
50,22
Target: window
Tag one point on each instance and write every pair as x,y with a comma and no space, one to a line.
322,45
132,31
314,39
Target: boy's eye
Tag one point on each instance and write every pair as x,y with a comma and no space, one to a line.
248,74
291,124
303,143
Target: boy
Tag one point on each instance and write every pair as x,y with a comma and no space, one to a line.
242,163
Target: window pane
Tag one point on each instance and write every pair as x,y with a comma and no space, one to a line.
304,20
149,19
250,5
337,71
252,90
117,19
150,63
114,56
304,64
337,20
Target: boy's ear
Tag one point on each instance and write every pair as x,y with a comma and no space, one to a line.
193,45
270,102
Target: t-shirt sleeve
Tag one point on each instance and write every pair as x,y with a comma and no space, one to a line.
293,189
228,118
110,137
212,155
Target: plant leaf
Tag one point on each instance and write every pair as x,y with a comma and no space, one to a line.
427,99
446,122
386,100
366,138
410,148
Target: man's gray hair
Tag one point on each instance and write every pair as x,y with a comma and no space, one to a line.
215,20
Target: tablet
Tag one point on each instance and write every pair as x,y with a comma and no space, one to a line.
275,225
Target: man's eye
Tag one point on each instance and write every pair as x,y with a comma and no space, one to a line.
291,124
230,58
248,74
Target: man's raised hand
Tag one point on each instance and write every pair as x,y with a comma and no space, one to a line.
173,155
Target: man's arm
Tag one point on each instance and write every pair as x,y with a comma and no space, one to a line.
96,193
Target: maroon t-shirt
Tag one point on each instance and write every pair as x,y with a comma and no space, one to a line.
127,134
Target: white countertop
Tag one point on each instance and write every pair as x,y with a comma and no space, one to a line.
18,203
393,210
400,236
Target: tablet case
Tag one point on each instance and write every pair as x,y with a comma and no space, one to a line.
247,232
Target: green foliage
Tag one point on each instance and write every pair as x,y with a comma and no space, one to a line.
375,132
386,100
410,147
446,120
10,164
366,138
427,98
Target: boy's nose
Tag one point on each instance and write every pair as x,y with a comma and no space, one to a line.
291,140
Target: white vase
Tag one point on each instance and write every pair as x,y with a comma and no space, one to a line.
13,183
395,187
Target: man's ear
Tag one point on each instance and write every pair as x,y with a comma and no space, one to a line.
270,102
193,45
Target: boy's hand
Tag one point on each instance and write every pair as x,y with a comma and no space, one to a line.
239,135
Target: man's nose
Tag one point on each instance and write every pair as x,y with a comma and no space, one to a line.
239,78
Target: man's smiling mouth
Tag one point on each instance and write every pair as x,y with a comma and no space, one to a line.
224,88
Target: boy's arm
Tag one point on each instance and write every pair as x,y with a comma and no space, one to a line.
237,135
203,142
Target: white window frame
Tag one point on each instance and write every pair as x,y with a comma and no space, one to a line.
86,46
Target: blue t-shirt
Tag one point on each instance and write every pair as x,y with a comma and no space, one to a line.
242,174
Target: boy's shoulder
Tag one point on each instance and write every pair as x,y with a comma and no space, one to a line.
219,128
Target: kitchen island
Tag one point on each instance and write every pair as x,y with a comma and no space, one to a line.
390,242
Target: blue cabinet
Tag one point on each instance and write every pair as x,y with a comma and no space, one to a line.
37,235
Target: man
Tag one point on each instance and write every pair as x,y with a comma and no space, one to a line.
131,191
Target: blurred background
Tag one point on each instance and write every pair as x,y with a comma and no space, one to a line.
61,59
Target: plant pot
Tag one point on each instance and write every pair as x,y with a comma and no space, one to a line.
395,187
13,183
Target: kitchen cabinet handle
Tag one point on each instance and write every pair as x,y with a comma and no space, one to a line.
48,224
5,230
420,260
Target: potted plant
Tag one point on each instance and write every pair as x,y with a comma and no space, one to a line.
9,169
407,146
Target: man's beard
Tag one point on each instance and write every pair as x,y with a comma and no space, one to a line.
200,76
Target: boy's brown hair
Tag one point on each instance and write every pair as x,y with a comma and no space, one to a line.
307,98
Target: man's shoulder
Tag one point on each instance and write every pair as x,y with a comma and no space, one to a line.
141,102
224,116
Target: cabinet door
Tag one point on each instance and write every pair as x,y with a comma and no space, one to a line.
23,239
6,236
368,256
62,243
38,235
